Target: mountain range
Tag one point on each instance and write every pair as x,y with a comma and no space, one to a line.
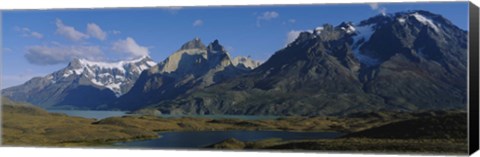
194,66
86,84
83,84
406,61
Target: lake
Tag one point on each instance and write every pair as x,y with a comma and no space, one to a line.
90,113
200,139
105,114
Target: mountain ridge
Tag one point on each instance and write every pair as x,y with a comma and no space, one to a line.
91,82
194,66
336,70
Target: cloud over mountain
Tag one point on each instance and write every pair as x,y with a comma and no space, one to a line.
130,47
57,54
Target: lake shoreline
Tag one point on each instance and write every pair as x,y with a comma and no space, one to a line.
27,125
201,139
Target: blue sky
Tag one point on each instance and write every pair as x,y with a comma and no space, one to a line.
38,42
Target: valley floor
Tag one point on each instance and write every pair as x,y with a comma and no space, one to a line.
25,125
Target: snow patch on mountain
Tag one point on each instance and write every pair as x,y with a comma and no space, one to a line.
349,29
426,21
120,65
245,62
318,30
363,34
116,76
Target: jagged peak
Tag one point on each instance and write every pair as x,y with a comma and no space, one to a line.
347,26
422,16
215,46
77,63
377,20
245,62
435,21
195,43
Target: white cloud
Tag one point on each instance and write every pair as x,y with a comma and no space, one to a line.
95,31
383,11
36,35
130,47
197,23
374,6
268,15
26,32
57,54
69,32
292,35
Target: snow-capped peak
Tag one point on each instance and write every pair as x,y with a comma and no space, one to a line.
116,76
426,21
245,62
349,29
119,65
318,30
401,20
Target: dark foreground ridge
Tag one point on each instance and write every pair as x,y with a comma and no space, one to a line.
436,132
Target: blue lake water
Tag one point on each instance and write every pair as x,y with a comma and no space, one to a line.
105,114
90,114
200,139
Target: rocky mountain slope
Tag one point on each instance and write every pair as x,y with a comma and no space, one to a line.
245,63
83,84
407,61
194,66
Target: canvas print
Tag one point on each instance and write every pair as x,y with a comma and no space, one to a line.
370,77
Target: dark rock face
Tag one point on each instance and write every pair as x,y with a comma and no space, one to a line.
194,66
406,61
82,84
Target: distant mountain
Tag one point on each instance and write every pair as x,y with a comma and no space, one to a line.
245,63
194,66
83,84
407,61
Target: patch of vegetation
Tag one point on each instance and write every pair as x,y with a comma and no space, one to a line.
437,132
27,125
435,146
426,132
433,126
